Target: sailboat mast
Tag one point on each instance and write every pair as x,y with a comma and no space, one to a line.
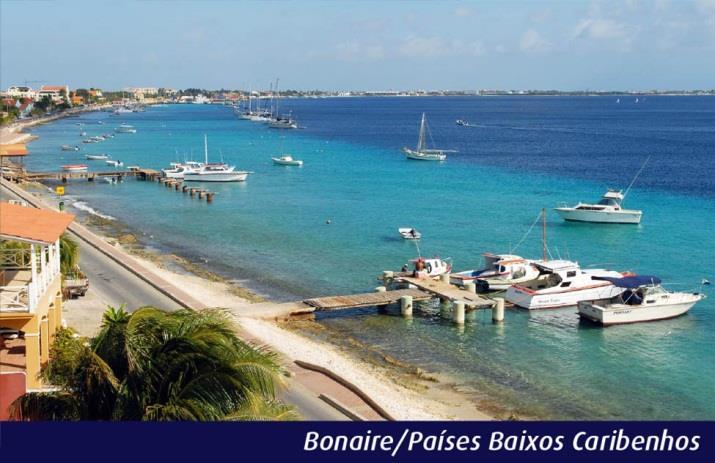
206,149
543,237
421,139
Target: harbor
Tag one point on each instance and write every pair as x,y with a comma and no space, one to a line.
261,239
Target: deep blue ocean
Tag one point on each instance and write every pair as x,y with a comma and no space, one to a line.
521,155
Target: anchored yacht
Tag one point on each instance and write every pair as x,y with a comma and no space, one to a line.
607,210
421,152
214,172
499,272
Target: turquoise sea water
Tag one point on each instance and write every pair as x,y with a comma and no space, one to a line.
524,154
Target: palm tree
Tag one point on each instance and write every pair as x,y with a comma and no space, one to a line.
158,366
69,255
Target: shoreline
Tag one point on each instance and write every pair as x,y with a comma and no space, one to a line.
424,398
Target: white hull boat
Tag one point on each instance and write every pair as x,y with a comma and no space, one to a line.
125,128
644,300
421,153
96,157
409,233
75,168
214,172
178,170
70,148
562,283
282,124
499,273
114,163
287,161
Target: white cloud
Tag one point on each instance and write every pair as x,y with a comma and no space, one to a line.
430,47
603,29
532,41
354,51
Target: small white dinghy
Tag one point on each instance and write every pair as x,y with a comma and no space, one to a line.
287,160
409,233
75,168
70,148
114,163
643,299
96,157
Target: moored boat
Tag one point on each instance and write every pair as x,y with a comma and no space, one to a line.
70,148
499,272
642,299
607,210
214,172
125,128
96,157
562,283
409,233
421,152
114,163
75,168
287,160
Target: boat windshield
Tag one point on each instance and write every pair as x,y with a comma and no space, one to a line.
608,202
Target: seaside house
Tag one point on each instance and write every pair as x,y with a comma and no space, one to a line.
22,92
30,295
55,92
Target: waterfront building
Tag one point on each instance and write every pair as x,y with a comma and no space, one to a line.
20,92
30,295
56,93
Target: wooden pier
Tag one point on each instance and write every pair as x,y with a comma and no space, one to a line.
447,291
355,301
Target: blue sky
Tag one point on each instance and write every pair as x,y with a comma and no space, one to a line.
339,45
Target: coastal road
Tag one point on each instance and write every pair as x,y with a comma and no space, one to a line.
112,284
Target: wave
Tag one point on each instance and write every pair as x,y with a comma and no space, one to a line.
83,206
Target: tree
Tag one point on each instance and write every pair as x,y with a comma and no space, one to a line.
157,366
69,255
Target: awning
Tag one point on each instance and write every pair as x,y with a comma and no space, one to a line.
15,149
631,282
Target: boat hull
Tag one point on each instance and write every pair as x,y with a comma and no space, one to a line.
621,313
623,216
219,177
544,299
418,156
287,163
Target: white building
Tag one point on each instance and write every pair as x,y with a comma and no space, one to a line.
55,92
18,92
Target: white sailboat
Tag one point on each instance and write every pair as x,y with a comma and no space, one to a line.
214,172
421,153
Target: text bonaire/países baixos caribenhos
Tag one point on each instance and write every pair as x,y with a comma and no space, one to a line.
616,441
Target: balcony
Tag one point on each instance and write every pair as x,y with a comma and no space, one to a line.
25,275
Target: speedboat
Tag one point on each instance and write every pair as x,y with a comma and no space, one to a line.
178,170
409,233
500,271
562,283
96,157
642,299
70,148
607,210
125,128
287,160
214,172
427,268
421,152
114,163
89,140
75,168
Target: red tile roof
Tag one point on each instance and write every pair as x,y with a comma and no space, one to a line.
16,149
28,223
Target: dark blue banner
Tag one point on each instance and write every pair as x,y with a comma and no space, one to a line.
358,442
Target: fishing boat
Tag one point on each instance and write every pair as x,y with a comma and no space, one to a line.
421,153
214,172
608,210
287,160
642,299
427,268
500,271
114,163
562,283
409,233
70,148
75,168
125,128
177,170
89,140
83,134
96,157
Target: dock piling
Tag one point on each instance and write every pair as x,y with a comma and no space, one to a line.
406,306
444,277
498,310
458,314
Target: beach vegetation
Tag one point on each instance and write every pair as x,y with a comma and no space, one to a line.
69,255
153,365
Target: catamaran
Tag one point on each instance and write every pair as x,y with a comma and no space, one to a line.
642,299
608,210
214,172
421,153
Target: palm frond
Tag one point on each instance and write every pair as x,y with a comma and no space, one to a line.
45,406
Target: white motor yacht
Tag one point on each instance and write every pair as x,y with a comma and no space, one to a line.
562,283
499,272
607,210
642,299
214,172
178,170
287,160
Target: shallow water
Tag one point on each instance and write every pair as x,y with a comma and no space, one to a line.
524,153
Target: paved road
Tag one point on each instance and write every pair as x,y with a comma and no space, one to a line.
112,284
